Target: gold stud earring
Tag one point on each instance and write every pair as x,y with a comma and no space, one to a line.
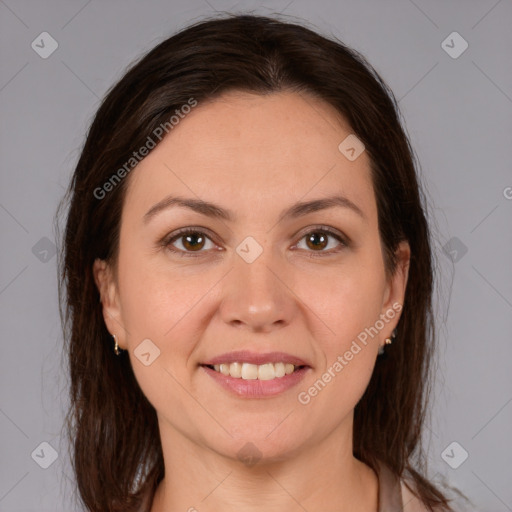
387,341
117,350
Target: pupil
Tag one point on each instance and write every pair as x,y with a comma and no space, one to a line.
192,245
314,236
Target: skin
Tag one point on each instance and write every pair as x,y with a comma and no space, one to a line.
254,155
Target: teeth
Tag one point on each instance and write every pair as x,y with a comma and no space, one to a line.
266,372
247,371
280,369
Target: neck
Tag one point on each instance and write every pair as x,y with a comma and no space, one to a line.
315,478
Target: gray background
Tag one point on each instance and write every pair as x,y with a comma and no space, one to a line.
458,113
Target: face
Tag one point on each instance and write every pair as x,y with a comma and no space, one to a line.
263,277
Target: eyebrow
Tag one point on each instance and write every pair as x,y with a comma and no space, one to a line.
212,210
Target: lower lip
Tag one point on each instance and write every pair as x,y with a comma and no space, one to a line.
255,388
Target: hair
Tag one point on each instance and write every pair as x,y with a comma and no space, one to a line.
112,428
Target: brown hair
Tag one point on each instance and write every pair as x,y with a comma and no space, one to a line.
112,428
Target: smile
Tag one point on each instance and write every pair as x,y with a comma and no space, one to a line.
248,371
247,382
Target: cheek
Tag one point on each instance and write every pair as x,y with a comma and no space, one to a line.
350,299
160,306
154,298
350,305
348,351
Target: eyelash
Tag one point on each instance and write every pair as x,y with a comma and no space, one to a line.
168,241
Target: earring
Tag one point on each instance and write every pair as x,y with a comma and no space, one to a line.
117,350
388,341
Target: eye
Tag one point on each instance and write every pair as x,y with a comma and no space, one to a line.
194,240
318,239
191,240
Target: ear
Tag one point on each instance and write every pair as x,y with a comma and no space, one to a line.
395,288
109,298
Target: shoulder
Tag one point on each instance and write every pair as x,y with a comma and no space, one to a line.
411,503
401,493
458,502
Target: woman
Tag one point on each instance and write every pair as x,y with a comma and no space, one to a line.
248,278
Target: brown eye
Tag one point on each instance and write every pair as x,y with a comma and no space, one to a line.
191,241
320,239
317,240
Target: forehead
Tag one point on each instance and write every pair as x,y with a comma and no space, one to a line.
243,147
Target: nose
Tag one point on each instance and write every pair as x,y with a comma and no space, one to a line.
257,296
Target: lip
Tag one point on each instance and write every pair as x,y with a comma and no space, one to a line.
255,388
245,356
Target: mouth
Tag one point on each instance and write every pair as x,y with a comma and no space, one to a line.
248,374
256,381
249,371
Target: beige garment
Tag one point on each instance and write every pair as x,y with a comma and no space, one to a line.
394,496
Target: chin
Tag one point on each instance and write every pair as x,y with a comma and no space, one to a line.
252,447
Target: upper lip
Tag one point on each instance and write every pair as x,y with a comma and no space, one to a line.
245,356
